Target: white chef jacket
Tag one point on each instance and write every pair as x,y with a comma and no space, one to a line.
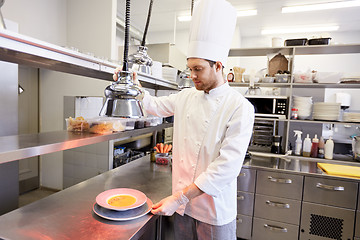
211,135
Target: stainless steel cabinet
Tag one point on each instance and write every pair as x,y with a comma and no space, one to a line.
331,192
320,222
357,224
279,184
246,180
278,209
272,230
245,203
243,226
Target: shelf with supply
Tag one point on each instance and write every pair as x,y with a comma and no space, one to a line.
284,125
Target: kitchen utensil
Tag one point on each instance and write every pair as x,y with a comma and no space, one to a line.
102,198
296,42
356,147
276,145
123,97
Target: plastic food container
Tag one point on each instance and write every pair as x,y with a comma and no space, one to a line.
282,78
319,41
162,158
296,42
78,124
267,79
107,125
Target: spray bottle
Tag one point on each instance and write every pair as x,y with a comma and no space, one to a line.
298,142
307,146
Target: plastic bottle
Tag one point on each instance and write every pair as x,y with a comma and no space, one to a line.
231,76
298,142
307,146
321,152
314,147
329,148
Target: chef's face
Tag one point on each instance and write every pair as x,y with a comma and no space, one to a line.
204,76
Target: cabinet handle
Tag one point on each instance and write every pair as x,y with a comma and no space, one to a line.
280,180
277,204
275,228
239,220
242,174
240,197
331,188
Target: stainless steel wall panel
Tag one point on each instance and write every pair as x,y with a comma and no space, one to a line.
319,222
331,192
279,184
246,180
243,226
272,230
245,203
277,209
357,224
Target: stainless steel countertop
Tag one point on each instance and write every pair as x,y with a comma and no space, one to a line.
68,214
28,145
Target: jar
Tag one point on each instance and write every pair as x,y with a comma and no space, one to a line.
294,113
163,158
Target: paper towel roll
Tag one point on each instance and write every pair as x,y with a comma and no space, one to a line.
344,99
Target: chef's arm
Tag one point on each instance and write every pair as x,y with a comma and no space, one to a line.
169,205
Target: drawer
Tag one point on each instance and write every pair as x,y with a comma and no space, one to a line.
245,203
246,180
326,222
272,230
358,206
277,209
330,192
243,226
357,224
279,184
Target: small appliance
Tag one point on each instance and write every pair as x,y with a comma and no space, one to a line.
269,106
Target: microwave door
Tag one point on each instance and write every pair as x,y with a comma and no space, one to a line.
274,106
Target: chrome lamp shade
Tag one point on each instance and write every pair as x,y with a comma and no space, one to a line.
140,61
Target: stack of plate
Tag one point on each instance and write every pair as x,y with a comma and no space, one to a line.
122,204
326,111
351,117
303,105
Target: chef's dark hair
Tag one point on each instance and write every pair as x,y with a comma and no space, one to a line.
212,63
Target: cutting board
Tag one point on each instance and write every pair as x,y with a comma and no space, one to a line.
340,170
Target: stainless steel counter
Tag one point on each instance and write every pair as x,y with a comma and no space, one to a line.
68,214
28,145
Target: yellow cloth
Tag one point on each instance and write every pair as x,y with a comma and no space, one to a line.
340,170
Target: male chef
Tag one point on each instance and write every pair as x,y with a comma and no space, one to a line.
212,128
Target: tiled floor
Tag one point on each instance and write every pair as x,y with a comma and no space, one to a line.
34,195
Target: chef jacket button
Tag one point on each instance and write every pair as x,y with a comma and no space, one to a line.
207,121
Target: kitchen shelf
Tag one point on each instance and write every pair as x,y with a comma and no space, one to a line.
17,48
272,85
325,122
326,85
17,147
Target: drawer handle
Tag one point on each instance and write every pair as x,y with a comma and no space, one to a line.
275,228
277,204
239,220
241,198
242,174
328,187
280,180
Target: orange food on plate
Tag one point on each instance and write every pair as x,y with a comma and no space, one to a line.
121,200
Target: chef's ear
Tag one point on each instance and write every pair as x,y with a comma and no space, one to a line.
218,66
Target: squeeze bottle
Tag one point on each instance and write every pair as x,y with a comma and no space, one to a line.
329,148
321,152
314,147
307,146
298,142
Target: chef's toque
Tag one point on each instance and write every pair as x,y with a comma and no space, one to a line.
211,30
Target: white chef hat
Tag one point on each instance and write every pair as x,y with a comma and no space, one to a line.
211,31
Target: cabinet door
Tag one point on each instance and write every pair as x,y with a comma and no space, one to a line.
243,226
279,184
272,230
245,203
357,224
277,209
246,180
330,192
320,222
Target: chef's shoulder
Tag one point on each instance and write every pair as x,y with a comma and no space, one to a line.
238,99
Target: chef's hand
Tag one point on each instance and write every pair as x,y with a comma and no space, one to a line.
135,79
169,205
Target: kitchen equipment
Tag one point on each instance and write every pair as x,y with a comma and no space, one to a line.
356,147
282,78
276,144
303,106
326,111
319,41
123,97
296,42
269,106
2,22
184,79
262,136
140,61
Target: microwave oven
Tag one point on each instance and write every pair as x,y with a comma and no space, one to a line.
269,106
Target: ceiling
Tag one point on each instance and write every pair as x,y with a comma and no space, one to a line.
269,15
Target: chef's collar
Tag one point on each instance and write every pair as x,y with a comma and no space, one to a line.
218,90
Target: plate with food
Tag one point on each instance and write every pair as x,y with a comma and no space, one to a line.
121,199
123,215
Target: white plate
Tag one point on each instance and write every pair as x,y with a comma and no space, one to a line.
123,215
102,198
